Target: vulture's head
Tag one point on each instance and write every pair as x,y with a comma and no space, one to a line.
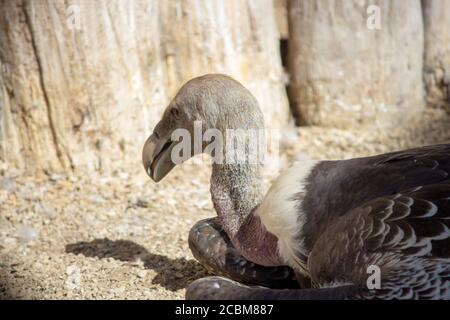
212,101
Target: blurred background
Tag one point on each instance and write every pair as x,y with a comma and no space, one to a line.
83,82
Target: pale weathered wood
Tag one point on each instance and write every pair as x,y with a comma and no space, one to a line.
281,16
436,15
344,74
83,82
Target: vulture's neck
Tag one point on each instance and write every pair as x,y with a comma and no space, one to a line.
236,191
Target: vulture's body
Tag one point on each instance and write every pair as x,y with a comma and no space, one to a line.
390,211
330,224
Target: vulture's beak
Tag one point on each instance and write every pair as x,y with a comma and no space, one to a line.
156,157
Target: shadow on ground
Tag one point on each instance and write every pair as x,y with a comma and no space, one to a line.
5,285
173,274
15,284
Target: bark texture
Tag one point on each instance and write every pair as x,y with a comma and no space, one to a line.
346,74
436,14
83,82
281,15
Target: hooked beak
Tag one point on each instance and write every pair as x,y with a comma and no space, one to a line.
156,157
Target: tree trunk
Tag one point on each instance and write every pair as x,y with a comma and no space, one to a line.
281,17
84,82
347,70
436,15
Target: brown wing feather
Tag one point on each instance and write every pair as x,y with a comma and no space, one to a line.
391,210
337,187
407,235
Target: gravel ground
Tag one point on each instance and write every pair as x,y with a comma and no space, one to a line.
121,236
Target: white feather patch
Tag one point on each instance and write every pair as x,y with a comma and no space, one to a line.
279,212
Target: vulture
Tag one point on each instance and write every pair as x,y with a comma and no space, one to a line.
376,227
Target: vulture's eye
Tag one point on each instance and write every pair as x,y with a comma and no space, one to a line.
175,112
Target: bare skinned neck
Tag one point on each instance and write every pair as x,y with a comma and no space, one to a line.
236,191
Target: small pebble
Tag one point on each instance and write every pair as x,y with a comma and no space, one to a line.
141,273
7,184
27,233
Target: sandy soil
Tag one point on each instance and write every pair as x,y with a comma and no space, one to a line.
121,236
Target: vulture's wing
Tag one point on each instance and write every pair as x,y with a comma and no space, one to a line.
405,235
